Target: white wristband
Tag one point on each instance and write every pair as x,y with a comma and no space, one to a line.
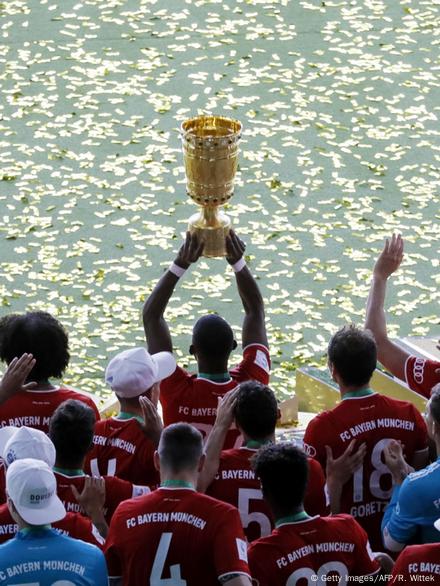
176,270
240,264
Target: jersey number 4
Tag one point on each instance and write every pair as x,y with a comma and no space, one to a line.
159,565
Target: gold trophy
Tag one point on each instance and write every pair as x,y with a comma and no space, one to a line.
210,152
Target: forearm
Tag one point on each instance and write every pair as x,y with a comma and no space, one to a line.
335,494
376,318
156,329
98,520
214,446
254,325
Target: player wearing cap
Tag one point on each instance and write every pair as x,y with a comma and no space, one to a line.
123,445
229,476
371,421
18,443
193,398
71,430
303,549
39,554
420,374
43,337
175,534
415,503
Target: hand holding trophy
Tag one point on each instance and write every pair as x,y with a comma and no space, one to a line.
210,152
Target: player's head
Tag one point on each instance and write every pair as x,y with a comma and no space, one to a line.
180,451
31,489
37,333
352,356
135,372
256,410
283,470
432,414
17,443
212,339
71,430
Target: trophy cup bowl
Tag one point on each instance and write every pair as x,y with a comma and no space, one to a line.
210,152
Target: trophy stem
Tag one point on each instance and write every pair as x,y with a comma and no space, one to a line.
212,226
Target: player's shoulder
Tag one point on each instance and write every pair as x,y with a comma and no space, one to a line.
233,455
423,477
394,404
419,551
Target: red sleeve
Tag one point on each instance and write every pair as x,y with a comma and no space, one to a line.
230,546
258,565
111,549
421,375
174,383
314,440
365,562
254,366
315,500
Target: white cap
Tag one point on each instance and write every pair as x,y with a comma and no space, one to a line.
132,372
27,442
6,433
437,524
32,487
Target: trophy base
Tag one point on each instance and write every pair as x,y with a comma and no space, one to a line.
212,236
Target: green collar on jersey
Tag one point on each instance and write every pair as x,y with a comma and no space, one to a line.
177,484
69,471
123,415
356,394
223,377
255,444
35,529
302,516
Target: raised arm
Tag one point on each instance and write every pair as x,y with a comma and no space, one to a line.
156,328
392,356
254,324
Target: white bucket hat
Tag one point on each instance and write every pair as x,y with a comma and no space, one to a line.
132,372
32,487
27,442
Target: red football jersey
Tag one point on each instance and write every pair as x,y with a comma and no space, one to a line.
417,560
373,419
186,397
116,491
236,484
73,525
421,376
314,551
175,535
35,408
120,448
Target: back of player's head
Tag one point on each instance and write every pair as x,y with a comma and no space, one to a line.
180,448
37,333
71,430
256,410
353,353
283,471
213,337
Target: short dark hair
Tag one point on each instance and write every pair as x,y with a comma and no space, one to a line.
180,447
353,352
37,333
256,410
283,470
213,336
71,430
434,404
